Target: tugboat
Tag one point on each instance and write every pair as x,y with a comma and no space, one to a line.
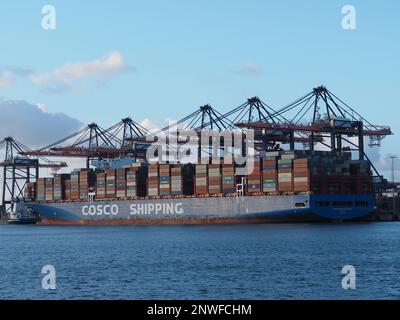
26,216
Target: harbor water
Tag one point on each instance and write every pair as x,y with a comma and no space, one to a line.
260,261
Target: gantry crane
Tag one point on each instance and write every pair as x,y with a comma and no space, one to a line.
204,118
325,119
207,118
321,114
94,142
19,170
318,117
254,110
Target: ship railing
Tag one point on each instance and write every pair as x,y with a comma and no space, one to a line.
91,196
240,188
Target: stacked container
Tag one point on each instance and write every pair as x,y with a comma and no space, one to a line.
176,180
254,178
49,189
345,185
41,187
131,183
285,175
83,184
228,178
101,186
365,185
136,177
67,190
360,168
297,171
153,181
201,179
110,183
330,185
141,178
269,175
87,181
121,183
301,175
29,192
188,177
75,185
165,179
214,178
59,186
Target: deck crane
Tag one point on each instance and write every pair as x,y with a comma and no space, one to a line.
18,170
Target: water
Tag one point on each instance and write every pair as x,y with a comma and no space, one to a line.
280,261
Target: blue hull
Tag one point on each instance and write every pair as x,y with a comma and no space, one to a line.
208,210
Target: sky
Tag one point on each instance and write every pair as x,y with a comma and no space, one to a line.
154,60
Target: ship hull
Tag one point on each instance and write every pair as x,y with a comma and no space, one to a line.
207,210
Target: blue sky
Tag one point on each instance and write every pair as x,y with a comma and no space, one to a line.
178,55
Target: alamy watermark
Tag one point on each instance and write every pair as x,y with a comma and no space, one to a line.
49,17
49,279
201,147
349,280
349,17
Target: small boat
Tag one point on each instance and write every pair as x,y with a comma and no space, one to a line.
25,217
22,220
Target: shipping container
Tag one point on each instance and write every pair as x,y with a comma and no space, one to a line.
164,179
214,178
285,175
201,179
101,185
254,178
120,183
176,180
269,174
228,178
153,180
111,184
49,196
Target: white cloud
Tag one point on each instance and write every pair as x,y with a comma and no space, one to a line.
70,75
383,163
18,70
153,126
70,72
250,68
6,79
32,124
42,107
150,125
40,79
35,127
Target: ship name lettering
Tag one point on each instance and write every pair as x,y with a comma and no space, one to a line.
156,208
99,210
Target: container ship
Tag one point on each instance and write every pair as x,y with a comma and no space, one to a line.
121,184
284,186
